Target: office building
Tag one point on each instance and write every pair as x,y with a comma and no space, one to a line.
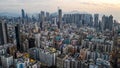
18,39
3,32
110,22
23,13
6,29
31,42
91,21
42,16
59,18
47,16
23,16
96,20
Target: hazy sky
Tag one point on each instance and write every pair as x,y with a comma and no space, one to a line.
91,6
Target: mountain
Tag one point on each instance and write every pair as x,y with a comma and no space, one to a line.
77,12
71,12
9,14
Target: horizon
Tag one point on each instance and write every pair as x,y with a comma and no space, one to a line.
35,6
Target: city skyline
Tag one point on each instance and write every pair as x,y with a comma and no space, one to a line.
59,34
102,7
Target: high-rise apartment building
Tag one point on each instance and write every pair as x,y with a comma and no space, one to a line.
107,22
7,61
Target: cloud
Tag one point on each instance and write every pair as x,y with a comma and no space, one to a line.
88,3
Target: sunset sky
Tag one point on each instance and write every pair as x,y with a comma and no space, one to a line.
91,6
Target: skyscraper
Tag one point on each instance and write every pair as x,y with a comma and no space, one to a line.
27,18
91,21
23,13
23,16
110,22
79,19
59,18
3,32
17,32
96,18
42,19
107,22
6,32
103,22
31,42
47,16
